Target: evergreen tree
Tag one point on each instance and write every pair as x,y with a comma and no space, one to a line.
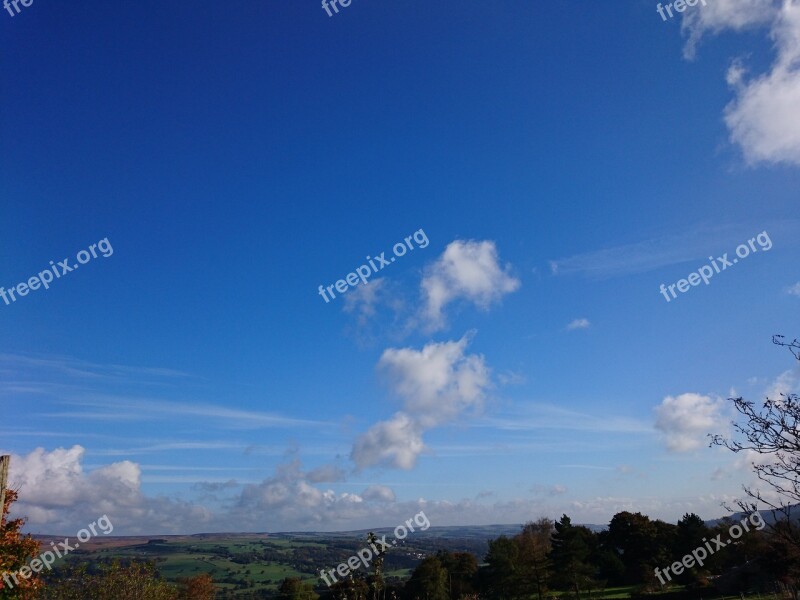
428,581
570,555
293,588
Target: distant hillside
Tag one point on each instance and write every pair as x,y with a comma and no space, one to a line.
462,532
766,515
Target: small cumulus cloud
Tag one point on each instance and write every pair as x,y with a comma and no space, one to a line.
510,378
718,474
379,493
394,443
437,384
548,490
378,308
578,324
467,270
685,420
785,384
326,474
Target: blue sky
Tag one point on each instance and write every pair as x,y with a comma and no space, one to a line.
562,160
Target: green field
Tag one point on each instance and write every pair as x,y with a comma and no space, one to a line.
251,563
231,565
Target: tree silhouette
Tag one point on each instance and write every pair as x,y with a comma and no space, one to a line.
572,549
773,432
293,588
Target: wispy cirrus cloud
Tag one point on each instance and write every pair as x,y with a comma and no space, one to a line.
80,369
691,244
76,389
146,409
643,256
23,432
590,467
183,445
547,416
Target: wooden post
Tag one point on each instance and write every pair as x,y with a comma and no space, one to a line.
4,462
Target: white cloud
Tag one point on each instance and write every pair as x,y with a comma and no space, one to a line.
326,473
719,474
794,290
786,383
286,500
469,270
60,498
437,385
686,420
439,382
363,299
745,462
545,490
578,324
466,270
736,73
511,378
720,15
377,308
55,493
763,118
395,443
379,493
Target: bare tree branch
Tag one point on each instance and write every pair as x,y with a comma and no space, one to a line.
772,430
